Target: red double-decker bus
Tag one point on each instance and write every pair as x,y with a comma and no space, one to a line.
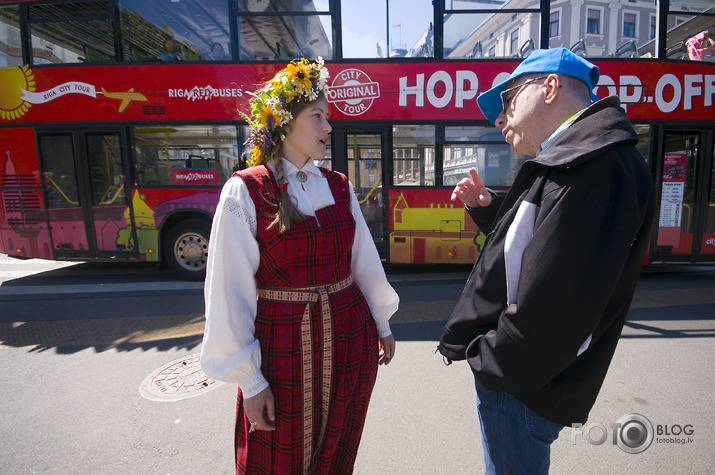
116,154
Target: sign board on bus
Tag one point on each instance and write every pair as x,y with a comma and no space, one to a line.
367,91
195,176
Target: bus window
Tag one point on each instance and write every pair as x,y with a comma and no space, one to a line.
60,34
190,30
679,193
691,36
708,246
364,153
303,29
499,35
185,155
327,161
11,50
644,140
413,155
496,164
483,149
60,178
409,32
106,172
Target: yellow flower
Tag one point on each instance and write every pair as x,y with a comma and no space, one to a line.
257,157
264,116
299,73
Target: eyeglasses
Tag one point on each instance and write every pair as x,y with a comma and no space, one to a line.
506,103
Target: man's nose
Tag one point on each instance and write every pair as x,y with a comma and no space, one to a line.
501,120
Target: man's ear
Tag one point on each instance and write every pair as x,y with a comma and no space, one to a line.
553,84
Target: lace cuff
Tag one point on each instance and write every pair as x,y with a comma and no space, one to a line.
253,385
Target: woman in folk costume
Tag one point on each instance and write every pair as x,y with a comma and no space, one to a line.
297,302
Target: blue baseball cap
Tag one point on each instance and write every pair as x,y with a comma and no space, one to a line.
554,60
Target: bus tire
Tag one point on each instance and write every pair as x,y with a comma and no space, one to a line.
186,248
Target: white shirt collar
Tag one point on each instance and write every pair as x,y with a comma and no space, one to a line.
309,167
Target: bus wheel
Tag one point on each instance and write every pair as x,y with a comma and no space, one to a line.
186,248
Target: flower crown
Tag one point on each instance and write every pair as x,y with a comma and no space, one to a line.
270,105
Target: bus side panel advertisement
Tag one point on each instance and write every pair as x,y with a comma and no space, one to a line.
23,229
709,238
18,159
429,228
368,91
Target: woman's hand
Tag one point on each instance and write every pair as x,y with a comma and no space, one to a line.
387,349
261,409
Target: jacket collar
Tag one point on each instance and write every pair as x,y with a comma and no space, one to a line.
598,128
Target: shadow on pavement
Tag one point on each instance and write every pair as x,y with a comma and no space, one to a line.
123,334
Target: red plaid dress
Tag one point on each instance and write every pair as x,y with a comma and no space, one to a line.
321,363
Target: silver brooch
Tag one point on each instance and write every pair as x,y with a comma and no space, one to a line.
301,176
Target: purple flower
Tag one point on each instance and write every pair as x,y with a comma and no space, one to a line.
252,139
266,141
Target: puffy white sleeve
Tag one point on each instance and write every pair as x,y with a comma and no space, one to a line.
230,350
369,274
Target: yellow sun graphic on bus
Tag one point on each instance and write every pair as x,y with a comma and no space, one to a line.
12,80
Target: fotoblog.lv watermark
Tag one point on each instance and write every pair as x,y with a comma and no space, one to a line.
633,433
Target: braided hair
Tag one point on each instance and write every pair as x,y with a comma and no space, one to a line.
287,213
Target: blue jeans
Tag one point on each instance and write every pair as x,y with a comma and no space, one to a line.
515,440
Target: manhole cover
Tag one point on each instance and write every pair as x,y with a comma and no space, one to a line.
180,379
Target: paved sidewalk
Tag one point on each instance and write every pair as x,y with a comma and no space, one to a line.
72,405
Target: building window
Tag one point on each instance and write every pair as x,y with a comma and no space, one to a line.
553,24
652,27
593,25
514,41
629,25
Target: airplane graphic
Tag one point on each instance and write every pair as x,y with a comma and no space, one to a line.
126,97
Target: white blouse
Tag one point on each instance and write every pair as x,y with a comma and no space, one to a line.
230,351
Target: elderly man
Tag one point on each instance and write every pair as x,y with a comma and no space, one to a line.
542,311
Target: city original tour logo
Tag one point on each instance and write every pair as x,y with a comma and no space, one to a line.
633,433
353,92
18,92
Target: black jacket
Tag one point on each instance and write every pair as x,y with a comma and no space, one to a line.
569,238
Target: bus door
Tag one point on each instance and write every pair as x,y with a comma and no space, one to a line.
86,195
363,151
686,225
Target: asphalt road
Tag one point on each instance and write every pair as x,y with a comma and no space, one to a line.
77,342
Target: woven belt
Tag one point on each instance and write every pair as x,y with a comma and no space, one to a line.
311,295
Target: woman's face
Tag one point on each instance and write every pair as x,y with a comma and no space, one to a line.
307,134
